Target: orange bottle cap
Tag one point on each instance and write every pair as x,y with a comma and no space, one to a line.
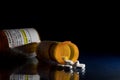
61,50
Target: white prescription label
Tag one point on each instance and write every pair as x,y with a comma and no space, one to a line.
18,37
24,77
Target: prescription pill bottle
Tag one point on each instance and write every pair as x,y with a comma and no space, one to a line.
57,51
10,38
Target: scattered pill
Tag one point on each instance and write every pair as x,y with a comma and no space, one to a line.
68,66
71,66
69,62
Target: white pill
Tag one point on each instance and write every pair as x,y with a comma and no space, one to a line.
61,65
80,65
77,62
69,62
69,66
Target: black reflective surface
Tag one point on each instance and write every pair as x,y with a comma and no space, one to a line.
33,69
97,68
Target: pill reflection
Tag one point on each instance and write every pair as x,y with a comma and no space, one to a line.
36,70
50,72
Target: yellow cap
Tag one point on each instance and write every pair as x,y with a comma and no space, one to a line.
60,50
74,51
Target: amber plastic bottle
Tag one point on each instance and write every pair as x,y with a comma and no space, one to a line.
10,38
57,51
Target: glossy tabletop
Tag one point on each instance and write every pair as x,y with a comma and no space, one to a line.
97,68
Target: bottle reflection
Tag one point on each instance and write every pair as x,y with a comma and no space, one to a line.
49,72
36,70
62,75
8,65
27,71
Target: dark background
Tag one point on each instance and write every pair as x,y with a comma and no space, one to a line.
93,29
92,26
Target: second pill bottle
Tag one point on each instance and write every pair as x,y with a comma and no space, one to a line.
57,52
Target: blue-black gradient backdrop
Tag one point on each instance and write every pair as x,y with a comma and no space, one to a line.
95,30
